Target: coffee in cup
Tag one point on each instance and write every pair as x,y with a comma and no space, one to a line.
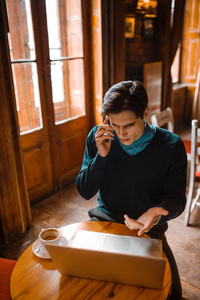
49,235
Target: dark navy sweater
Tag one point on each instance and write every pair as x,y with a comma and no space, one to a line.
131,185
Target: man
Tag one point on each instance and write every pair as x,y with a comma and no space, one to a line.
139,170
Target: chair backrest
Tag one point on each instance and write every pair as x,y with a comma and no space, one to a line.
194,172
165,117
195,150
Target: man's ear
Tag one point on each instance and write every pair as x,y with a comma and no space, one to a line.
146,112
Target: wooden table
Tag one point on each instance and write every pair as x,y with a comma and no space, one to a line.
36,278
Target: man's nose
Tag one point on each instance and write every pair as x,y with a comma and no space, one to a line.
122,132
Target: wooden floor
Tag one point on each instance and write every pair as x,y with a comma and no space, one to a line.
66,207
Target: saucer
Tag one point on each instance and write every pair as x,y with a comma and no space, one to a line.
41,252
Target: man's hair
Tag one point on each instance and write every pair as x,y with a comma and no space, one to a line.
126,95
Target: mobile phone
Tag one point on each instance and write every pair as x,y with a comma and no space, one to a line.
108,140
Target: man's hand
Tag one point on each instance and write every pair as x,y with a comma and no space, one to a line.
146,221
103,137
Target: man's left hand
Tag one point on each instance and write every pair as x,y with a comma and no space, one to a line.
146,221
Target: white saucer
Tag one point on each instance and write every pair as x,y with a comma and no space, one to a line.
41,252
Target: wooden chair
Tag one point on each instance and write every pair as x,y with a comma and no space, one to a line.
165,117
194,179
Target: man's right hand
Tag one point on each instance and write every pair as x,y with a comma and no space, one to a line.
103,137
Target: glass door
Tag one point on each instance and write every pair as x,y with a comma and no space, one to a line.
65,36
24,65
47,43
68,60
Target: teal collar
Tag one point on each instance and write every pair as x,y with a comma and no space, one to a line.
142,142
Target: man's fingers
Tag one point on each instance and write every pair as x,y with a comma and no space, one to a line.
104,129
162,211
106,121
105,132
132,224
157,211
146,221
143,230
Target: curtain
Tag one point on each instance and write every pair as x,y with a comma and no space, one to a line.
170,36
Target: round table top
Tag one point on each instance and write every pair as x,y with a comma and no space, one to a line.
37,278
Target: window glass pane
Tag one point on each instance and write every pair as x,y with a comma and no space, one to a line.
27,96
68,89
64,20
21,40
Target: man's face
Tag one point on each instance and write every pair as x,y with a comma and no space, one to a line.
127,126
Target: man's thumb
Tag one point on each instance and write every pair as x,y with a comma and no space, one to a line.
163,212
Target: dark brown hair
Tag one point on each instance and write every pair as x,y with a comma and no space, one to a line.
126,95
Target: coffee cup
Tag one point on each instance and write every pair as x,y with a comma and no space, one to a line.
49,236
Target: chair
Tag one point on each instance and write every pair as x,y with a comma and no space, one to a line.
193,154
165,117
194,181
6,267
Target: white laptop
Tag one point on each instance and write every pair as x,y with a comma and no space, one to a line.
118,243
109,257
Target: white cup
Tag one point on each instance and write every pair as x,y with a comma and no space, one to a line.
49,236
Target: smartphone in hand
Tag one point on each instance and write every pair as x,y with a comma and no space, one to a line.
108,140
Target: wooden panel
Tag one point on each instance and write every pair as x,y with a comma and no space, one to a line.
34,160
191,53
113,42
71,149
153,83
191,44
153,86
37,161
120,8
178,104
191,65
15,213
97,60
188,105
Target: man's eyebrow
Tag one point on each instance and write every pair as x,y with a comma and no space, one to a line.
124,125
130,123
